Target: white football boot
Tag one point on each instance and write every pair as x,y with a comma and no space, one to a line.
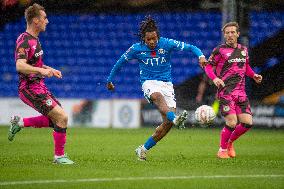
141,153
180,119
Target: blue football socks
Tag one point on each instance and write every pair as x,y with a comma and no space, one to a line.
150,143
171,116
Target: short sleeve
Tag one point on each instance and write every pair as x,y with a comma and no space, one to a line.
22,50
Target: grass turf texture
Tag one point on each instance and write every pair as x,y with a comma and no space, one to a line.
109,153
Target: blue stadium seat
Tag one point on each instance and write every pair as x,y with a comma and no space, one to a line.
85,47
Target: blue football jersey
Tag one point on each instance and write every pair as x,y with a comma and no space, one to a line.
154,64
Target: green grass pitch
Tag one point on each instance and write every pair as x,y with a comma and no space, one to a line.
105,158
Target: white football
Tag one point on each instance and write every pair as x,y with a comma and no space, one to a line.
204,114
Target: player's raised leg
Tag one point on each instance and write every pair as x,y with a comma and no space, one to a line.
14,127
17,123
167,115
60,120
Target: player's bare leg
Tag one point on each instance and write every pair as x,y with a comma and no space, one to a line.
60,120
164,128
168,116
160,131
245,118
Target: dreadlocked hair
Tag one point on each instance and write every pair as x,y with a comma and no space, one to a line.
147,25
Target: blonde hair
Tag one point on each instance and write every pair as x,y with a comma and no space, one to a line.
33,11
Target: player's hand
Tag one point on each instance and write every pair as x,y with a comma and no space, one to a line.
46,72
110,86
57,73
202,61
219,82
257,78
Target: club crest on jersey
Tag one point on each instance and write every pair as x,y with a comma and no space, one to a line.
161,51
243,53
49,102
226,108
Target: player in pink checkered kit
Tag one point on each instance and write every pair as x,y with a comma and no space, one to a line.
32,89
231,62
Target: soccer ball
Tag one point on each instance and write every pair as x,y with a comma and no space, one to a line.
204,114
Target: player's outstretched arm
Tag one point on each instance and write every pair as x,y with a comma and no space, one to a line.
128,55
123,59
202,61
23,67
179,45
55,72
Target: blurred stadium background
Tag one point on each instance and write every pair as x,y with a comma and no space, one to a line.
85,38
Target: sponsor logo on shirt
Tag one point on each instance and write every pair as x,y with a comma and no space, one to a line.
154,61
39,53
237,60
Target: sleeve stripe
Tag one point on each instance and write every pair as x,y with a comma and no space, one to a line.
125,57
182,47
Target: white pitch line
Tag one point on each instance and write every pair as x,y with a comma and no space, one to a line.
135,178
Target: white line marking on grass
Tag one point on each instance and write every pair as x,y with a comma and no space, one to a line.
135,179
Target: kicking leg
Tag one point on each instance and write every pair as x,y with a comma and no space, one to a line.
166,113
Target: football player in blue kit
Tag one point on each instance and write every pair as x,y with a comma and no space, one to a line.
153,54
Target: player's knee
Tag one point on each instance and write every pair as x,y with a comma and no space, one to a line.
231,123
156,96
65,119
62,120
249,122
